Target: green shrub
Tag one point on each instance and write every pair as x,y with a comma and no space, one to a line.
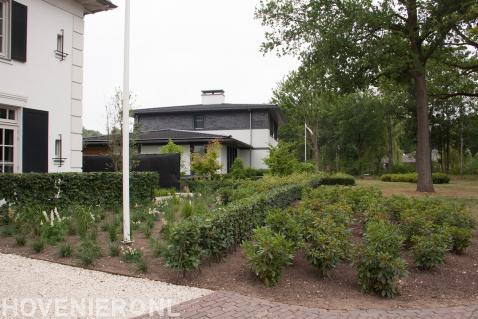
115,250
268,253
65,250
338,179
53,233
112,230
88,252
429,250
281,221
217,231
282,160
103,188
379,265
461,238
182,251
438,178
38,246
378,272
20,239
83,219
382,236
326,244
8,231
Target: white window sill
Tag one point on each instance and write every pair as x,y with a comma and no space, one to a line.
6,60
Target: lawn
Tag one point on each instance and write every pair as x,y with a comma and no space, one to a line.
463,190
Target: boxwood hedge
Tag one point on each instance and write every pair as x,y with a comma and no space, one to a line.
66,189
438,178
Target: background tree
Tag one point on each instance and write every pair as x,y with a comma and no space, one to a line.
90,133
360,41
114,131
206,165
172,148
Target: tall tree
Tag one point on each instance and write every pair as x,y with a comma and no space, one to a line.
359,41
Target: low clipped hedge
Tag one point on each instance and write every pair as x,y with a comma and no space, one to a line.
65,189
338,179
215,233
438,178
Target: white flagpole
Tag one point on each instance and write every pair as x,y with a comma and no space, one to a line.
126,208
305,142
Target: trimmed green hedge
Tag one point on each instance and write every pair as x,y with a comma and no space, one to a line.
438,178
66,189
213,234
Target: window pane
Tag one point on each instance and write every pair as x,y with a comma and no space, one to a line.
11,114
1,154
8,137
1,136
3,113
8,169
9,154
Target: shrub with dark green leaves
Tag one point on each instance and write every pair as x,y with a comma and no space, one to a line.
281,221
217,231
182,251
429,250
378,272
461,238
378,263
438,178
102,188
326,244
267,254
88,252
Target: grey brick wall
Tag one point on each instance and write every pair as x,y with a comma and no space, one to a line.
212,121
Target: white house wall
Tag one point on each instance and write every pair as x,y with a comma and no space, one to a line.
261,141
46,83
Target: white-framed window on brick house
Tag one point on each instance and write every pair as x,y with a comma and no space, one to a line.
8,139
4,28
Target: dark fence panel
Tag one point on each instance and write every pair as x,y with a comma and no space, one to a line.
167,165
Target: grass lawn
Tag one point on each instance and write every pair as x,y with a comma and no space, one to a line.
462,190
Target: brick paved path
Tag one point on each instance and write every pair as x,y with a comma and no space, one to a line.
224,305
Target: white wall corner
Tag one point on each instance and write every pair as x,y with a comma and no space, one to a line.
76,161
78,25
76,142
78,41
76,108
76,125
76,91
77,57
77,74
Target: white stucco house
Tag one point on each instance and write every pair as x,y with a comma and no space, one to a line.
41,77
245,131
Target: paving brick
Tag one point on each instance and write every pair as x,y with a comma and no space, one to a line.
224,305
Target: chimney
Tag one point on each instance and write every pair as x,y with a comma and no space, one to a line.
213,97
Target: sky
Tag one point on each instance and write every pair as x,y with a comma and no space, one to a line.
178,48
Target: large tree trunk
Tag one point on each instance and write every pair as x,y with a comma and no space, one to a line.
424,169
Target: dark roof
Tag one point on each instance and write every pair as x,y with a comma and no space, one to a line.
163,136
94,6
211,108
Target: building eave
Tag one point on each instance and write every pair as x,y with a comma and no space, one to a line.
94,6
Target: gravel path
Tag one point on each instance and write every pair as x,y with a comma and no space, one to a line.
38,289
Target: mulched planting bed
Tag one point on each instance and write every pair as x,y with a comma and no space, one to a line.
453,283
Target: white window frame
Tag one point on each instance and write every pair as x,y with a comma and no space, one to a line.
6,18
11,125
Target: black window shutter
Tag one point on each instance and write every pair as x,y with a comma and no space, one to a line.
19,31
35,141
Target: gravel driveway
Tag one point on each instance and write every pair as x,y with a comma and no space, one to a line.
38,289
